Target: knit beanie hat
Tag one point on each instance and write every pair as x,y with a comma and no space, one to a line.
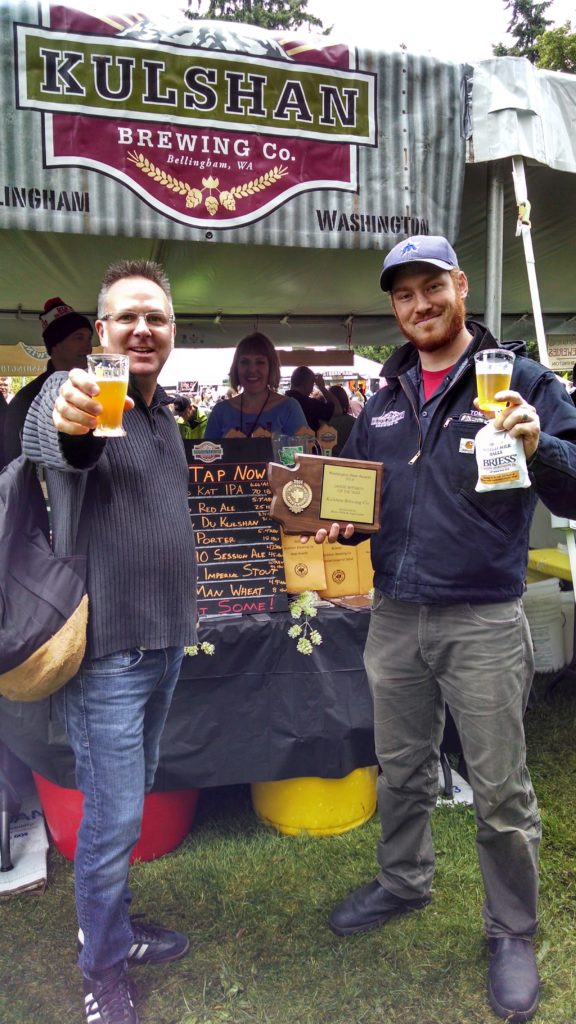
58,321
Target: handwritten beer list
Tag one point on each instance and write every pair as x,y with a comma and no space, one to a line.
238,547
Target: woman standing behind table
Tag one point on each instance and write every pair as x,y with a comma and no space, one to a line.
258,410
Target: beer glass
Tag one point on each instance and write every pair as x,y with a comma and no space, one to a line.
111,375
493,374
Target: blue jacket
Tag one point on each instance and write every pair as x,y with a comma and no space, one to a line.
440,540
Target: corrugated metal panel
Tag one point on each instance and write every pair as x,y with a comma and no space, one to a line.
416,170
410,183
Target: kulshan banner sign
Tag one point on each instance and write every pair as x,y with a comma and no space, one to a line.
220,127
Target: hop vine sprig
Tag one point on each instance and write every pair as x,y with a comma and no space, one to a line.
203,648
303,608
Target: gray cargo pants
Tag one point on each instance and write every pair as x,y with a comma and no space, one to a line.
478,658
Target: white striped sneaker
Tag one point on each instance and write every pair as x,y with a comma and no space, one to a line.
151,944
109,1001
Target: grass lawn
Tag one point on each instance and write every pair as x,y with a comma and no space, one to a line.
255,905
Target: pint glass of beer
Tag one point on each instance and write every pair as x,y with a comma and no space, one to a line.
493,374
111,375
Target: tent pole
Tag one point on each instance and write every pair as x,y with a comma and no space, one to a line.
524,228
494,218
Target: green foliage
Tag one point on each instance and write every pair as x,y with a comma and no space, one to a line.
379,353
550,48
303,607
269,14
203,648
527,23
557,49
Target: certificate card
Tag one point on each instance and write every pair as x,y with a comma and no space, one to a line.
348,494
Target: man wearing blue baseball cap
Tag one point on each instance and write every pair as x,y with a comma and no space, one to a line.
447,624
433,250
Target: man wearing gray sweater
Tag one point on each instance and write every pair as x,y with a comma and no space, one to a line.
141,589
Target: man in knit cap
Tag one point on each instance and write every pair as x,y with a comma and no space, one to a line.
67,336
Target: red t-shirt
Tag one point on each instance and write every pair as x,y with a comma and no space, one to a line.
432,380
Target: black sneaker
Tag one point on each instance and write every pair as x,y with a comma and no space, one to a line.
109,1001
151,943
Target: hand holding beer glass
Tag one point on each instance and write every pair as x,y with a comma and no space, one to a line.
111,375
493,374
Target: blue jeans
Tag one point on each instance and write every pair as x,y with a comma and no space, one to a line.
114,712
478,658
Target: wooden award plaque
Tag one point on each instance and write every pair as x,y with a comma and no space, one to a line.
318,491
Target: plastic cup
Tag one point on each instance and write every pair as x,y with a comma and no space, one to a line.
111,375
493,374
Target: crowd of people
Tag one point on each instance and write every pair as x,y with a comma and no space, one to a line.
447,625
209,412
255,406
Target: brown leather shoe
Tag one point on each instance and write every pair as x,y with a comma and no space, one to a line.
369,907
513,979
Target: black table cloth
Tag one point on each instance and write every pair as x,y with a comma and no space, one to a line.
254,711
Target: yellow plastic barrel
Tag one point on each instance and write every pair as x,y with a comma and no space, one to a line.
320,807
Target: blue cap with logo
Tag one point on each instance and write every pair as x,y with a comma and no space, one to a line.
434,249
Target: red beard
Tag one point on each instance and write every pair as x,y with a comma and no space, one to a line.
453,327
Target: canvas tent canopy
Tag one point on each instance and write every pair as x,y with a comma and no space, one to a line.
270,174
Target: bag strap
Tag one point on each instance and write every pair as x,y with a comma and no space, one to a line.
85,516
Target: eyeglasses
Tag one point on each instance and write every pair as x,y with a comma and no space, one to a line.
129,318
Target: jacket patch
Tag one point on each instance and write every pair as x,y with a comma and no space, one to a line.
467,445
388,419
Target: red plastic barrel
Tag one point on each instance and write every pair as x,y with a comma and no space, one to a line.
166,821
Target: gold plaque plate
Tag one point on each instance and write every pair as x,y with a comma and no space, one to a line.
319,490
